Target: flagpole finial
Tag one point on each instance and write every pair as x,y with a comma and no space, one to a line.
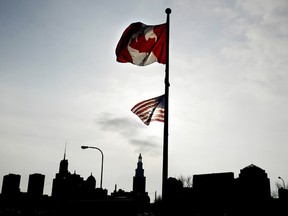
168,11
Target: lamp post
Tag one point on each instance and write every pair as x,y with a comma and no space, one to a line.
282,181
85,147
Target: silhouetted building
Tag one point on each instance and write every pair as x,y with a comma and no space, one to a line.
139,182
174,189
214,186
63,168
36,185
213,192
11,185
283,194
73,186
90,183
253,184
61,183
121,194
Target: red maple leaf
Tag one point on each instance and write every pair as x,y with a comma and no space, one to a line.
134,37
140,43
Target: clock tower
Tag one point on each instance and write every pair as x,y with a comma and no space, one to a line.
139,180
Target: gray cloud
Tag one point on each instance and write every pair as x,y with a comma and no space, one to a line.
150,145
131,131
121,125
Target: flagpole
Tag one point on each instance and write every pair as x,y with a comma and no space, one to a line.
167,84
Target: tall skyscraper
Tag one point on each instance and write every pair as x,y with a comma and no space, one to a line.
61,184
11,185
36,185
72,186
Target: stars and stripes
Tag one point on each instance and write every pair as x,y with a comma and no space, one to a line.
150,110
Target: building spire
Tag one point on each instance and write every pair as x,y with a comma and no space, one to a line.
63,169
65,150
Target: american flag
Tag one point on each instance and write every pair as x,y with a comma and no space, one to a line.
150,110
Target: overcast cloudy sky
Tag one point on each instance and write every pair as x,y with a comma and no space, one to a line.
60,82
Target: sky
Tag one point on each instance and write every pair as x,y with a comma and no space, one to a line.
60,83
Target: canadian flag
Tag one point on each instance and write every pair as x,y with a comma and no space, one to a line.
142,44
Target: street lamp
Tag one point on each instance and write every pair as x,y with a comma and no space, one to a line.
282,181
85,147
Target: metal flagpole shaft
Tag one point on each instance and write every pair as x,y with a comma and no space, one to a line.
167,84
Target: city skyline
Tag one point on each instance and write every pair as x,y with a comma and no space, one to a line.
60,82
141,185
217,193
59,183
